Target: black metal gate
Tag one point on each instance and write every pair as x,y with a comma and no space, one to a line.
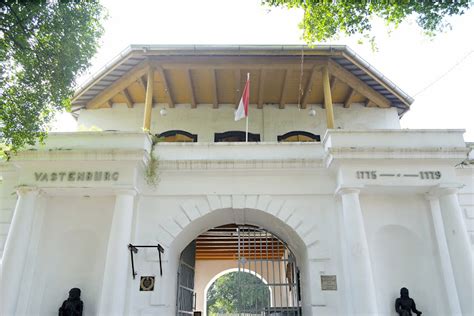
267,257
274,289
186,295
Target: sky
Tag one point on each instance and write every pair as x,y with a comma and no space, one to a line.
437,72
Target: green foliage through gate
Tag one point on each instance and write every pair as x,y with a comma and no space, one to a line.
237,292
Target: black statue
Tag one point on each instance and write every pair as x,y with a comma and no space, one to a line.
404,305
73,305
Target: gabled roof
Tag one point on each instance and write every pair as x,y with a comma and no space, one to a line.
285,74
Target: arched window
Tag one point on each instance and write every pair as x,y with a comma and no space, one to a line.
235,136
178,136
299,136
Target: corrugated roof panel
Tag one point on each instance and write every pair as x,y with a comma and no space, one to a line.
107,80
351,68
358,72
113,77
344,62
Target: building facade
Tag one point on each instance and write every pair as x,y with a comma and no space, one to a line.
355,206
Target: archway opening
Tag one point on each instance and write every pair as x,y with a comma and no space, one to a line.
225,297
234,267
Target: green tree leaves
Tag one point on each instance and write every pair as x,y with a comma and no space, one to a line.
237,292
324,19
44,45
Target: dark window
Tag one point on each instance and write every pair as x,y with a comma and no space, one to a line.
299,136
178,136
235,136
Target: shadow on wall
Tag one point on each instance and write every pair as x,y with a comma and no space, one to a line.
68,251
401,259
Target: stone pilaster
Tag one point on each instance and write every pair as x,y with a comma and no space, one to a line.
458,245
16,247
444,257
116,270
364,301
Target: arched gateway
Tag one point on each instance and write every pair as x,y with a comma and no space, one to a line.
246,249
255,241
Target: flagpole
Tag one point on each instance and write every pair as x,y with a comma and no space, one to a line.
247,118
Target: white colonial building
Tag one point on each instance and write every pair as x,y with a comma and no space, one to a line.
330,204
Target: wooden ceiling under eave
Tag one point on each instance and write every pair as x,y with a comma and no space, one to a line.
215,80
228,243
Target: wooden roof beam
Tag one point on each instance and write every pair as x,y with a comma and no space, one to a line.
357,84
254,67
118,86
215,99
127,97
109,104
261,88
332,84
284,89
142,82
309,84
234,63
328,98
349,98
191,89
369,103
166,86
148,99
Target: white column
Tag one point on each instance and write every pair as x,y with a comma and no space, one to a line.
360,269
459,247
445,260
16,246
114,284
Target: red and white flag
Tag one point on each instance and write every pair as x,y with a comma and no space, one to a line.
243,109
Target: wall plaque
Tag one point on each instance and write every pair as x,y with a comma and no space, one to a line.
147,283
328,283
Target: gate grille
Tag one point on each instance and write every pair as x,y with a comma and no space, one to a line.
263,254
255,251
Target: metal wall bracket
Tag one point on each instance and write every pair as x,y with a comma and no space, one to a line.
134,249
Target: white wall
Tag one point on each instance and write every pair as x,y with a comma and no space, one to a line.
403,252
269,122
70,253
466,198
297,203
171,227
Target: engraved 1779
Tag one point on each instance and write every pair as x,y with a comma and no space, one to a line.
430,175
